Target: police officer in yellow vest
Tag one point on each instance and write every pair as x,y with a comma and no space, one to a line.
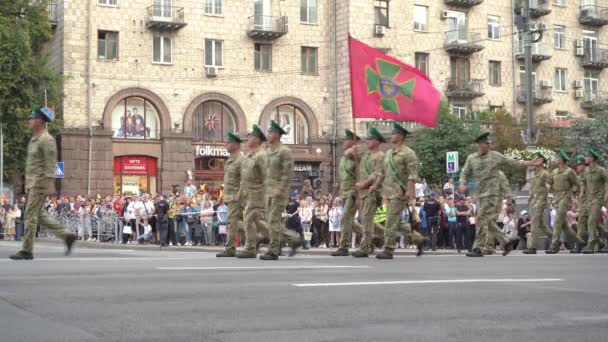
40,169
400,174
232,195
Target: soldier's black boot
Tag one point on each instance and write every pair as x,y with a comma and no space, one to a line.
508,248
420,247
340,252
578,248
226,254
530,251
294,247
476,253
69,243
386,254
552,250
269,256
359,254
22,255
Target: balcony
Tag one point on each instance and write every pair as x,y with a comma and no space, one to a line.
263,27
593,15
463,3
464,89
595,59
462,43
385,127
52,9
540,94
165,18
593,99
540,52
538,8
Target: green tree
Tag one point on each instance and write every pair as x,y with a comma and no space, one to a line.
24,74
589,133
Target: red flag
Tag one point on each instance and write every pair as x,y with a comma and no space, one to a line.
385,88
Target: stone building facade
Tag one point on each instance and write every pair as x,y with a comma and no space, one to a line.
152,86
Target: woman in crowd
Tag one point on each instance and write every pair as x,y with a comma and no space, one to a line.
207,222
319,223
335,218
9,224
306,190
306,213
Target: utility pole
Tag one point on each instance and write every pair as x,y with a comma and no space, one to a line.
530,138
1,160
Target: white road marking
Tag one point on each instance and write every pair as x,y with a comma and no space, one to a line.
213,268
439,281
99,259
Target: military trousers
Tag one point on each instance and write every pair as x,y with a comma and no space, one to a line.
538,226
561,225
583,219
35,215
593,225
394,224
252,223
162,223
277,232
369,206
348,220
235,223
486,222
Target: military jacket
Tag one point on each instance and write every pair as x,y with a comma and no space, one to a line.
232,176
564,183
371,167
400,166
280,170
596,184
504,185
539,186
41,161
348,175
253,176
484,170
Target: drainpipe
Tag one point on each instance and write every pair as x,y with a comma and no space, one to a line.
89,94
514,61
335,94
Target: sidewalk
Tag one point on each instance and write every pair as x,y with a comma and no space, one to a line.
214,249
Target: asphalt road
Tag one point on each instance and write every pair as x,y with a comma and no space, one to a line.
128,295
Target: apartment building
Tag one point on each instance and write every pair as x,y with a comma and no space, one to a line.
152,86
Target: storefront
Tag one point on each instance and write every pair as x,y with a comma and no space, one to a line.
134,174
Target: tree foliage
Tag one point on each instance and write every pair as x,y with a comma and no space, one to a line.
589,133
24,74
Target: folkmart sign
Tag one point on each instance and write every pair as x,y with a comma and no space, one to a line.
210,151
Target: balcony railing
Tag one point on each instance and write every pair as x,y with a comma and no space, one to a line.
462,42
540,95
264,27
163,17
540,52
464,89
595,58
593,15
538,8
463,3
386,126
593,99
52,9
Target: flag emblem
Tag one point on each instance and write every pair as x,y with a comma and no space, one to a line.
384,82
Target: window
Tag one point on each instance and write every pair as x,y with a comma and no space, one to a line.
262,56
212,120
107,2
495,79
292,120
107,45
459,111
421,60
161,49
381,12
559,36
459,71
494,108
560,79
135,118
214,52
420,18
592,84
561,115
493,27
308,11
309,60
214,7
559,2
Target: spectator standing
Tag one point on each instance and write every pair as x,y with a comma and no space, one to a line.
448,188
471,229
450,211
335,220
20,221
192,220
306,213
9,223
294,221
189,189
207,222
307,190
523,228
432,211
419,187
162,220
319,223
144,209
463,213
222,218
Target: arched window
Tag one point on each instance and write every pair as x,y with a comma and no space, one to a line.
211,121
135,118
291,119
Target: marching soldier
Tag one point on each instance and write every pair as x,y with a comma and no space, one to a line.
371,169
280,170
564,184
580,167
538,200
483,166
232,195
348,179
40,168
487,241
400,174
596,189
253,175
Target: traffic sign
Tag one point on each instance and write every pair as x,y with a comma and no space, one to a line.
59,170
451,162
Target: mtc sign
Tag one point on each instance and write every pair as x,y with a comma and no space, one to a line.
451,162
210,151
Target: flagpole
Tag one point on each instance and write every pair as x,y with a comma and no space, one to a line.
1,160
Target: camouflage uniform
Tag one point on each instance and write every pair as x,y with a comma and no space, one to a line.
40,165
253,174
486,240
370,168
484,169
583,210
564,185
596,186
538,200
348,179
232,198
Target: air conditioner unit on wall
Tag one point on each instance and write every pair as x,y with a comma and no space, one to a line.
545,84
211,71
380,30
445,14
541,26
578,84
579,93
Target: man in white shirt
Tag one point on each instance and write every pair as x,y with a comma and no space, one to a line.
419,187
144,209
189,189
448,188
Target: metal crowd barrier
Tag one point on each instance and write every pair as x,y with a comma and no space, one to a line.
104,226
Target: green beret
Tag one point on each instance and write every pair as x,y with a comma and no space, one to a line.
484,138
234,138
398,129
593,153
274,127
564,155
256,131
540,155
580,159
375,134
350,135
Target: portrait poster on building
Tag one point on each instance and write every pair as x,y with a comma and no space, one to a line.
135,118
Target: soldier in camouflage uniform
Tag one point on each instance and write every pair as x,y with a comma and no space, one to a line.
539,187
40,169
400,174
252,190
483,167
370,183
564,185
583,205
596,189
280,171
232,195
487,241
348,191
